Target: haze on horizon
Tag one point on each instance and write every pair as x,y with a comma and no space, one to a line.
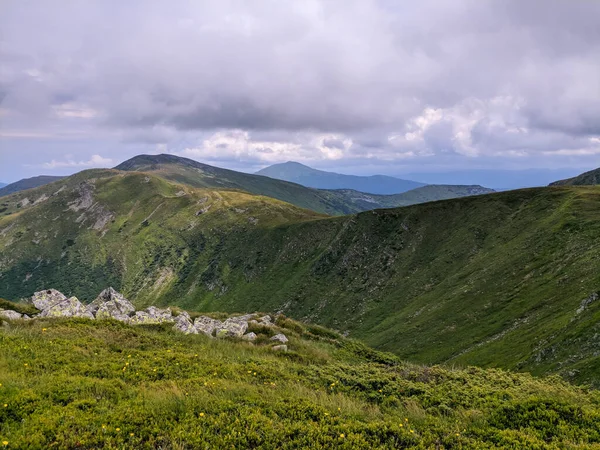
358,87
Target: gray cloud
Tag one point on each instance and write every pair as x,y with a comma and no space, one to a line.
312,80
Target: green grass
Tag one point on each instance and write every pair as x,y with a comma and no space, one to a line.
493,280
85,384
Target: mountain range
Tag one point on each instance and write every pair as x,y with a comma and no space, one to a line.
585,179
27,183
499,280
307,176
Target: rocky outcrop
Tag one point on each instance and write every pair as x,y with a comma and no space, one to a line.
232,327
43,300
183,324
112,305
207,325
152,315
69,307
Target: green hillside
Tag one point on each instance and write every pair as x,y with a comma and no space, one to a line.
79,383
501,280
326,201
585,179
26,183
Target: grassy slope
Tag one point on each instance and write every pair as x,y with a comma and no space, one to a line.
588,178
27,183
332,202
493,280
86,384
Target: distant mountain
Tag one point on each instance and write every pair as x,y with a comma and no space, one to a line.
307,176
27,183
326,201
2,185
586,178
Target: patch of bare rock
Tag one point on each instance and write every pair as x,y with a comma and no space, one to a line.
110,304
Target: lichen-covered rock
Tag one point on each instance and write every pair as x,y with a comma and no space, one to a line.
279,348
10,314
70,307
45,299
152,315
232,327
207,325
265,320
245,317
111,304
249,336
183,324
280,338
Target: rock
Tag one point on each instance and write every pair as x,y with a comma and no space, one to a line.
232,327
184,324
279,348
70,307
111,304
45,299
207,325
265,321
249,336
280,338
152,315
10,314
244,318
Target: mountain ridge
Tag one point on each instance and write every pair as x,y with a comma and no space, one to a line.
27,183
588,178
307,176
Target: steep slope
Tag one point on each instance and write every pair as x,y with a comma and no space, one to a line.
587,178
27,183
307,176
504,280
101,384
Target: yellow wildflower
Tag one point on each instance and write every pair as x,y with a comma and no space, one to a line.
117,429
342,435
412,431
129,356
401,425
44,329
201,414
130,434
5,443
6,405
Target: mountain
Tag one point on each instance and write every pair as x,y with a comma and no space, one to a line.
307,176
2,185
27,183
588,178
500,280
332,202
78,383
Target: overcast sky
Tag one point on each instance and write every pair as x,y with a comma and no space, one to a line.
356,86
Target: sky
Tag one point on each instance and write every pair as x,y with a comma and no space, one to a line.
354,86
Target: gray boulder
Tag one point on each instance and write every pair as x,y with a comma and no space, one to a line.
111,304
280,338
70,307
265,320
10,314
207,325
183,324
279,348
45,299
152,315
249,336
232,327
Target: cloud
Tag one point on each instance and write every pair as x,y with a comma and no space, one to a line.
333,81
94,161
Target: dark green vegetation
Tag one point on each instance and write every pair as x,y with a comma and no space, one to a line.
26,183
307,176
501,280
332,202
588,178
76,383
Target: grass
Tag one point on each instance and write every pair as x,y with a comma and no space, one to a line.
88,384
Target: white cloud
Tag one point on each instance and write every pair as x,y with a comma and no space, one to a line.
94,161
